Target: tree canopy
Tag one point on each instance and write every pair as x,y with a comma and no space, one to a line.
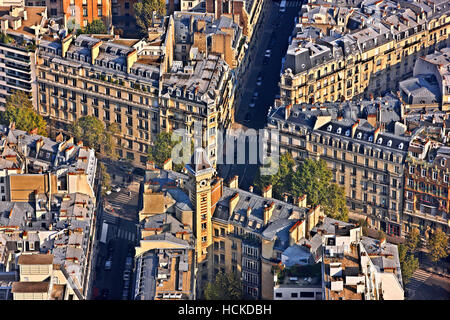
408,263
226,286
95,27
437,245
144,12
413,240
95,134
161,149
19,109
312,178
105,178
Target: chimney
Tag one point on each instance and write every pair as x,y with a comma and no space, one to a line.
59,137
301,201
287,111
150,165
33,131
25,15
233,183
39,144
250,189
249,211
285,197
267,191
12,126
167,165
268,213
233,202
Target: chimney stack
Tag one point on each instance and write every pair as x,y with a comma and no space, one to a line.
250,189
267,191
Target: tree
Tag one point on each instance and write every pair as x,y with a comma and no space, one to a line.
381,235
144,12
162,148
19,109
413,240
281,181
408,266
226,286
95,27
437,246
313,178
364,225
335,204
105,178
94,134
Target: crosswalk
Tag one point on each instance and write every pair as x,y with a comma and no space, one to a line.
292,4
125,234
418,278
109,218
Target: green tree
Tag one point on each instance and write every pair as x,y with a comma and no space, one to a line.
144,12
162,148
105,178
281,181
226,286
437,246
381,235
94,134
95,27
413,240
408,266
313,178
19,109
364,225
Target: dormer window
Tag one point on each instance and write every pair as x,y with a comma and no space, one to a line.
380,140
191,96
339,130
329,128
359,135
443,162
170,90
370,138
400,146
389,143
347,133
178,93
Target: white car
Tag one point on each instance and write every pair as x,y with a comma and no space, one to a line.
268,53
116,189
108,265
108,192
126,275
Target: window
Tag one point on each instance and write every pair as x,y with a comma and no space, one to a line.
306,294
294,294
434,175
278,295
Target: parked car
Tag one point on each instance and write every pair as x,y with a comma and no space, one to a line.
252,102
108,192
259,79
128,262
116,189
125,294
268,53
108,265
126,275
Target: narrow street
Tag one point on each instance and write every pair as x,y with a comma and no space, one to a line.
273,34
120,214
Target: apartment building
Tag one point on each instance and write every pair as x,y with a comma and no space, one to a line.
427,174
47,221
366,160
203,31
143,94
352,269
246,12
21,27
342,50
430,85
123,17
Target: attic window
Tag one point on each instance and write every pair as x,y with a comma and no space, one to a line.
178,93
400,146
329,128
370,138
247,199
347,133
443,162
380,140
389,143
339,130
359,135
